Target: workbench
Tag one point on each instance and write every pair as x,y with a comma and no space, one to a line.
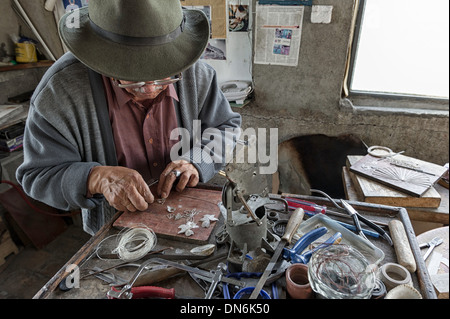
92,288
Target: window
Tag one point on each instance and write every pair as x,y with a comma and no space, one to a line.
400,53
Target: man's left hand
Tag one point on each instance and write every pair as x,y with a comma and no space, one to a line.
189,177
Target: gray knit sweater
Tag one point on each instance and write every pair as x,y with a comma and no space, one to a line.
68,132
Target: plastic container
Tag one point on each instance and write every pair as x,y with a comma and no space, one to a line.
25,52
373,254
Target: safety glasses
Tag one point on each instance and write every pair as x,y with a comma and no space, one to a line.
136,85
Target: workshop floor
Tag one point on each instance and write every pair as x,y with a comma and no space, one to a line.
22,275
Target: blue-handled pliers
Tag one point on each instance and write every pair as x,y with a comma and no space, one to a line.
295,254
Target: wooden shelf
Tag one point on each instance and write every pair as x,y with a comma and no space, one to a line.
23,66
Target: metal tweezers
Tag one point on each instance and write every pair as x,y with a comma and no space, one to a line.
155,181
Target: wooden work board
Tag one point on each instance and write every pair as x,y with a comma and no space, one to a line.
162,221
414,181
371,191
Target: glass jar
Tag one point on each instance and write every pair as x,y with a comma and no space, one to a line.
341,272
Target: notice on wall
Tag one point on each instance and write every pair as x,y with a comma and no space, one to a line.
278,34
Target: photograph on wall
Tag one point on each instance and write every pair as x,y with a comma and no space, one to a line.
238,16
282,41
216,50
70,5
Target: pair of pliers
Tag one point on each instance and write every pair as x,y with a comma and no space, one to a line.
295,254
145,292
142,292
358,217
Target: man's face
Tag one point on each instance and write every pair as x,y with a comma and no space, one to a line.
146,92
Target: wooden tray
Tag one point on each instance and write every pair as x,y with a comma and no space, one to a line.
162,222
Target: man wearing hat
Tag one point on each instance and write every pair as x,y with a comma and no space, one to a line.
103,122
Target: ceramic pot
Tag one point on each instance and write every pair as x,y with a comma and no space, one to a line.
297,282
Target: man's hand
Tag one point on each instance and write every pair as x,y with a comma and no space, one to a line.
189,177
123,188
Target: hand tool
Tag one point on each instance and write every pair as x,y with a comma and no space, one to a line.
292,226
333,213
353,214
306,205
218,274
152,277
204,285
107,276
312,209
126,289
299,258
145,292
303,242
207,275
436,241
357,217
423,245
402,247
366,232
135,292
154,182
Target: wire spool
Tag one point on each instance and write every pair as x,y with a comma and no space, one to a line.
379,151
379,292
134,243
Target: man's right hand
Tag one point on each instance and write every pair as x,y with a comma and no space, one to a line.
123,188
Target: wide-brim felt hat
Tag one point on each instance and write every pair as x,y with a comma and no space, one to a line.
136,40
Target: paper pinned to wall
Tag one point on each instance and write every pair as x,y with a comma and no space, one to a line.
321,14
278,34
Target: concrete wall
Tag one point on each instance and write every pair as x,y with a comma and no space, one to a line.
306,99
16,82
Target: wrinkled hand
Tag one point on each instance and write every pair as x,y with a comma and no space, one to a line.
123,188
189,177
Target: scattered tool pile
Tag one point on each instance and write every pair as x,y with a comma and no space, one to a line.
260,246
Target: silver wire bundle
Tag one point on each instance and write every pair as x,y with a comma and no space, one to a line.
134,243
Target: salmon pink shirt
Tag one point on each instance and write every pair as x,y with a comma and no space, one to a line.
142,130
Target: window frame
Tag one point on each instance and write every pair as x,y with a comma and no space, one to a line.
383,100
